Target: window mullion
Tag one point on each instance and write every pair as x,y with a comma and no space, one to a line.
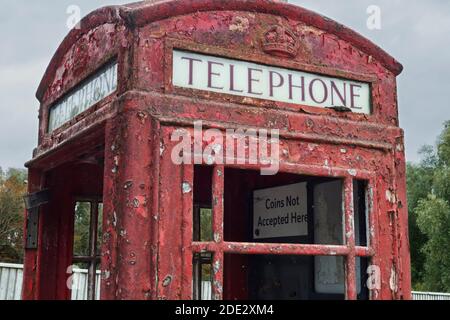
217,226
92,250
350,261
189,233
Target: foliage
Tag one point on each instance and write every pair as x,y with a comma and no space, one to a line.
12,188
81,234
433,219
429,216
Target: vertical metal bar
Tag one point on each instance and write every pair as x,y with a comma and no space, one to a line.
372,209
217,212
217,275
197,281
187,232
92,250
371,217
350,265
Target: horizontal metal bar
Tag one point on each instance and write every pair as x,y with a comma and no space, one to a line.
280,249
364,251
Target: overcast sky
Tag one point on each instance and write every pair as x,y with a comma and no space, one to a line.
416,32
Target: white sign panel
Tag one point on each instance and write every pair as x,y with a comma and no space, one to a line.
280,212
246,79
96,88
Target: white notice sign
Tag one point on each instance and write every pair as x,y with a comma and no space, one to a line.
246,79
280,212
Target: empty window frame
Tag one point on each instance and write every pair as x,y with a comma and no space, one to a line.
342,247
87,237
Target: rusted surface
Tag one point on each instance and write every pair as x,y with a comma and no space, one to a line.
147,244
218,177
349,229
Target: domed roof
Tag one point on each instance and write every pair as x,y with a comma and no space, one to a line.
144,12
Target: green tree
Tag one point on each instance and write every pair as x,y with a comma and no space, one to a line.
419,181
12,188
433,219
81,233
429,216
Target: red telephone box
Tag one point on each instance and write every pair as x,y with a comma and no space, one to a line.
144,111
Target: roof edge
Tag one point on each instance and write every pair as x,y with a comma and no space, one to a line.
110,14
142,13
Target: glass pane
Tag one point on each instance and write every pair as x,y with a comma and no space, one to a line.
328,217
81,229
100,229
202,277
329,275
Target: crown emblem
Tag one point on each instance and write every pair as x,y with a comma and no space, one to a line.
280,41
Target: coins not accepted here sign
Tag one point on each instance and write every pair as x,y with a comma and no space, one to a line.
280,212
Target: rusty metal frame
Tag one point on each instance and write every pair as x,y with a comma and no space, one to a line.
218,247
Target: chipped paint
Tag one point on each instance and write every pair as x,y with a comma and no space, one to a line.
186,187
162,148
239,24
390,196
217,237
146,211
216,266
167,280
393,281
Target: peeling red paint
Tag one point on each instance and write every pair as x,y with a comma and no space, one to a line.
147,245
